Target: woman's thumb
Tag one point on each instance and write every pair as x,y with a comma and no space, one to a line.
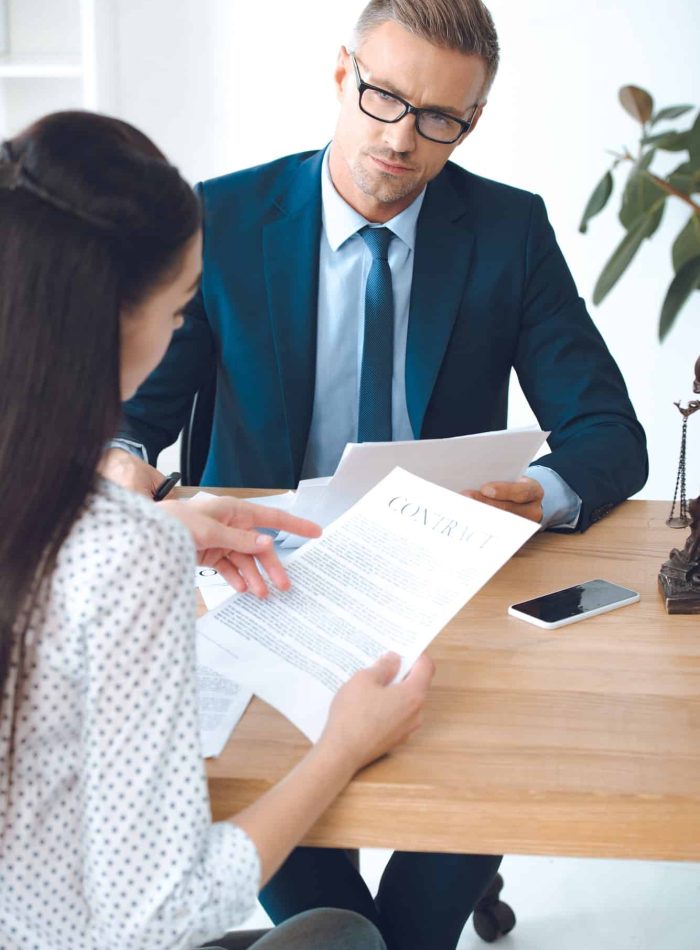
386,668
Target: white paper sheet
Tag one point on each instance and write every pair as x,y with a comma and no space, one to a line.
387,575
466,461
307,498
221,702
212,586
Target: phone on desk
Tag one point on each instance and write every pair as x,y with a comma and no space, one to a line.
573,603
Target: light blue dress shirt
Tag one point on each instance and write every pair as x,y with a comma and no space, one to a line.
344,264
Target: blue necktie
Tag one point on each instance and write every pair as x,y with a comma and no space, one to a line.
374,417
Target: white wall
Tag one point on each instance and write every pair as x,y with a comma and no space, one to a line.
222,84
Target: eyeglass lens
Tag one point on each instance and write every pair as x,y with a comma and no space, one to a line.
385,107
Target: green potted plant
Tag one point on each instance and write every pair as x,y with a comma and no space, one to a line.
645,195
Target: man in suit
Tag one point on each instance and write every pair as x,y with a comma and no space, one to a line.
371,291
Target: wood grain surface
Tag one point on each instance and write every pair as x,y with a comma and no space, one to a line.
578,741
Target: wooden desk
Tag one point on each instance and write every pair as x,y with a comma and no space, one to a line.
582,741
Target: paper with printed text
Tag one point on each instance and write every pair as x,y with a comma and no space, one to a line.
387,575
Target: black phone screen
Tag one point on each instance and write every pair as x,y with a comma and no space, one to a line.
591,595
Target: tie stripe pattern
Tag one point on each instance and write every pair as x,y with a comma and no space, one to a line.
374,416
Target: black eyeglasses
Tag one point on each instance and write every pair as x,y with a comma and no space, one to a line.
388,107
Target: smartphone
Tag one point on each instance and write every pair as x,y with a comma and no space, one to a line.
573,603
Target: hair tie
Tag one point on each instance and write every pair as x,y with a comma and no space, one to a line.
13,175
9,168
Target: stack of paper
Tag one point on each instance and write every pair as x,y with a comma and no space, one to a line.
464,462
387,575
459,463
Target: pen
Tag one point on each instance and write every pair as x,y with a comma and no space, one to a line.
166,486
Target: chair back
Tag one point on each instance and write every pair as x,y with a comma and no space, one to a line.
196,435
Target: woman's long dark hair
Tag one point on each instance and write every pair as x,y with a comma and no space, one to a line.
92,218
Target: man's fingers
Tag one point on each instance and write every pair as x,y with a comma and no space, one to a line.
496,499
532,510
503,505
522,491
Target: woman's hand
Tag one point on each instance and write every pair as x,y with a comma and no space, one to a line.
223,532
370,715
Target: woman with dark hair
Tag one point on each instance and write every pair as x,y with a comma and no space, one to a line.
106,839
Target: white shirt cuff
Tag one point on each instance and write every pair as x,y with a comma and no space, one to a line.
561,506
133,448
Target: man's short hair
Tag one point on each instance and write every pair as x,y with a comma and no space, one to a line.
463,25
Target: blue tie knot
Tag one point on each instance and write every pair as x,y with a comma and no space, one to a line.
378,241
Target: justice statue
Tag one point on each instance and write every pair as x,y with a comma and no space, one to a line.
679,578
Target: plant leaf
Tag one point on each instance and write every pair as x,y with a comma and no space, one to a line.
668,141
683,284
637,102
597,201
685,178
670,112
626,249
641,192
687,244
694,143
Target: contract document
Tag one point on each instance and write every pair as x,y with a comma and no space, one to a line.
465,461
221,703
212,586
387,575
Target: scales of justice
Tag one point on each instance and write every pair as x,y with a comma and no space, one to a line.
679,578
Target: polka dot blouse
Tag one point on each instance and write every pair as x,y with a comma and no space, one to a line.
109,841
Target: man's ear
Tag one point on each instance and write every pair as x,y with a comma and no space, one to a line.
341,71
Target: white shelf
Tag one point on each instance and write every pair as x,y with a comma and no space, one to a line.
60,56
40,67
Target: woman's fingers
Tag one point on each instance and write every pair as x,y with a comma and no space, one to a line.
274,568
246,515
231,575
249,572
263,517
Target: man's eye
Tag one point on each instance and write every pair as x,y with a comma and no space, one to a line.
437,118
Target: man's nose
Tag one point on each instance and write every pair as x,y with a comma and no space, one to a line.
401,136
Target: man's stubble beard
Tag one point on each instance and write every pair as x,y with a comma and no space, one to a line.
381,185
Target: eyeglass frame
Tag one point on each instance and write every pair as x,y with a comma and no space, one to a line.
408,108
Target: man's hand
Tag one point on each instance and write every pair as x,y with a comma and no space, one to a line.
222,530
127,470
523,497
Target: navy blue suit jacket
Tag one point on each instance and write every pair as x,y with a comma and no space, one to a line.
490,291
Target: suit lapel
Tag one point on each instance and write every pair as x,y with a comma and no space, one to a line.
444,247
291,253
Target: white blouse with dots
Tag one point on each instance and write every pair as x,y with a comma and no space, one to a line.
108,841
